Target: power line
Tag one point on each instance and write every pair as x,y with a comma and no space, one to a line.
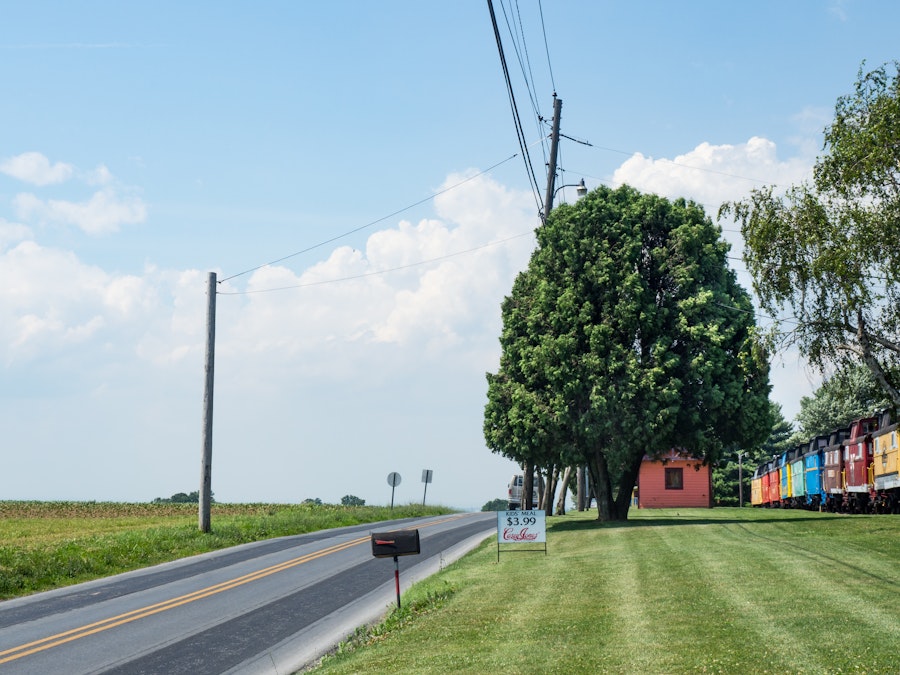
517,37
384,271
546,45
515,111
374,222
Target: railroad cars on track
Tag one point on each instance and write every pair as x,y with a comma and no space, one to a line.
850,470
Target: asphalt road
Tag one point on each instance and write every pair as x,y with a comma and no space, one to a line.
268,607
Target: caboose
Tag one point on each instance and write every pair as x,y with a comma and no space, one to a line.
886,480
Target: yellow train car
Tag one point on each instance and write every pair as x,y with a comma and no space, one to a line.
756,492
885,477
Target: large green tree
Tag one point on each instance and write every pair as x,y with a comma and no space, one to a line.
827,250
627,335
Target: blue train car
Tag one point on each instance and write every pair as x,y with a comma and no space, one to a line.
813,463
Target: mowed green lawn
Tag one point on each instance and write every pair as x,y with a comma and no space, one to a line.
671,591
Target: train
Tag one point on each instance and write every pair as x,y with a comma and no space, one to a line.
850,470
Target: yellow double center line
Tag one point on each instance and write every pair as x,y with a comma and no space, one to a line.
120,619
134,615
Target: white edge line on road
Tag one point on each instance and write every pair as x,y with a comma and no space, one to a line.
305,648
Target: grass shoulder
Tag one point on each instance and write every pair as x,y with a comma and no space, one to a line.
46,545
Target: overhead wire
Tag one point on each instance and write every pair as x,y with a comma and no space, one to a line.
379,272
374,222
517,37
546,45
520,46
515,111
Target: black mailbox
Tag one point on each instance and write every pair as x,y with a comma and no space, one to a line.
392,544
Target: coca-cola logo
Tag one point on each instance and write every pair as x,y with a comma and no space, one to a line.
511,534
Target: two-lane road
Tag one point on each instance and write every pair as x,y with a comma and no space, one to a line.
267,607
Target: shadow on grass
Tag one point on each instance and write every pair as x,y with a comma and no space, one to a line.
594,524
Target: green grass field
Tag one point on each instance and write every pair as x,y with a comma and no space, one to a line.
671,591
44,545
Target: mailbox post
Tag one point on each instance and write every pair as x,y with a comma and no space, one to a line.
392,545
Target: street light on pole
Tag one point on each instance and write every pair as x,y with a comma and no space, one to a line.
580,188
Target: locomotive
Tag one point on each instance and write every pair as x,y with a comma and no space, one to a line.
850,470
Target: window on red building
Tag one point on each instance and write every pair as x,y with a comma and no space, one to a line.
674,479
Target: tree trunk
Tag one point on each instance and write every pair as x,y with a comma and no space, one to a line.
626,486
606,508
550,492
564,489
580,488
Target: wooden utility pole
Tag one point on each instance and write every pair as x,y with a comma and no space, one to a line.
554,145
206,457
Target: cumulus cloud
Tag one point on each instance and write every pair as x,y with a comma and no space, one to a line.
12,233
711,174
35,168
52,300
414,290
104,212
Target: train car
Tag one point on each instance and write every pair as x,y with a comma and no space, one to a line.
833,471
813,463
765,472
886,480
784,478
773,496
756,494
796,475
858,458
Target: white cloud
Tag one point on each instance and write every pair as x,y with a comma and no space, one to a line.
12,233
712,174
449,306
837,9
52,300
104,212
99,176
35,168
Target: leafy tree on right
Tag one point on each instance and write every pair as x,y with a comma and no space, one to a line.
828,251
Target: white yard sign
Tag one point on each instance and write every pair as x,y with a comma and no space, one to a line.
521,527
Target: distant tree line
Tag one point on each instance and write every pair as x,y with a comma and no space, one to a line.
182,498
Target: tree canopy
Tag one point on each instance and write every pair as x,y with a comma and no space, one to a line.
828,250
850,394
626,335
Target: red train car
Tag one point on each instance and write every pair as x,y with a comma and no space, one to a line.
858,457
774,495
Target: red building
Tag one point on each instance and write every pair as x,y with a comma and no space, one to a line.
674,480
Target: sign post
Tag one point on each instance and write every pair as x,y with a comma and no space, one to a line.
426,478
393,480
521,527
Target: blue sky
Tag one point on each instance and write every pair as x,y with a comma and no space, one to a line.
146,144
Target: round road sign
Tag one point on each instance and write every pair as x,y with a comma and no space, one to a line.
393,479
